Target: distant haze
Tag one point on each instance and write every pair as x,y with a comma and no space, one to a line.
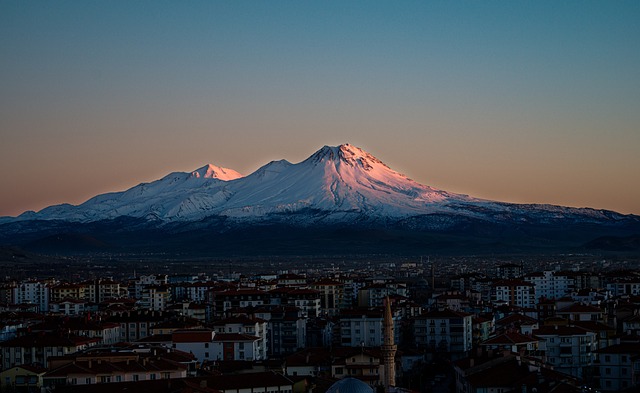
526,102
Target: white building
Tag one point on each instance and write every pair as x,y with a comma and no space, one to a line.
624,286
67,307
33,292
199,342
551,285
236,346
514,293
361,328
253,327
155,297
568,349
206,344
373,295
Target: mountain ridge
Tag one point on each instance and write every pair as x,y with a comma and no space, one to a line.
337,188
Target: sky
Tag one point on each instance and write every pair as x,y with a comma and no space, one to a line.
516,101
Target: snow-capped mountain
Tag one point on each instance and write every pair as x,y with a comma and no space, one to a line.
338,181
342,185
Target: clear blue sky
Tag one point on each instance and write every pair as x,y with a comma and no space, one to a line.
533,102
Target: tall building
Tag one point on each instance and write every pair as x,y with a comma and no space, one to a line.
389,348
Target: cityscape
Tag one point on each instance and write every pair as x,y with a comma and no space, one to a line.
460,324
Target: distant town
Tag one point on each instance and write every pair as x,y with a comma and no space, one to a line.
472,324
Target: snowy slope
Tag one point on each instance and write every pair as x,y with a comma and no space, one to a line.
342,182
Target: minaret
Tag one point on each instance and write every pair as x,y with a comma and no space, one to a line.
433,276
389,348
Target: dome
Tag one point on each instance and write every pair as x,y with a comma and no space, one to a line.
350,385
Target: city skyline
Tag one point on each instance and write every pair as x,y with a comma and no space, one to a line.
515,102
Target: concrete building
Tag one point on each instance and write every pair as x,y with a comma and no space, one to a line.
514,293
360,327
568,349
331,295
551,285
444,331
35,292
255,328
619,367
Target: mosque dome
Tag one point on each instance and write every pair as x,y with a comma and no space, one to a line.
350,385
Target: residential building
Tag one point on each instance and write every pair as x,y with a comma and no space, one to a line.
373,295
37,348
365,364
100,290
619,367
568,349
620,286
24,378
513,292
155,297
331,295
444,331
67,306
551,285
256,328
198,342
135,325
63,291
35,292
225,301
580,312
508,373
286,327
510,270
364,327
109,367
237,346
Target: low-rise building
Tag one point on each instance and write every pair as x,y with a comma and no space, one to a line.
105,367
243,325
25,378
38,348
68,306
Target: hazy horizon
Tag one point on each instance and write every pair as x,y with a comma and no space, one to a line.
516,102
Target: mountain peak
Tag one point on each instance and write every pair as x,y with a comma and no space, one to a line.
348,154
211,171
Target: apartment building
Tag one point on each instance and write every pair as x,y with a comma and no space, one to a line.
444,331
